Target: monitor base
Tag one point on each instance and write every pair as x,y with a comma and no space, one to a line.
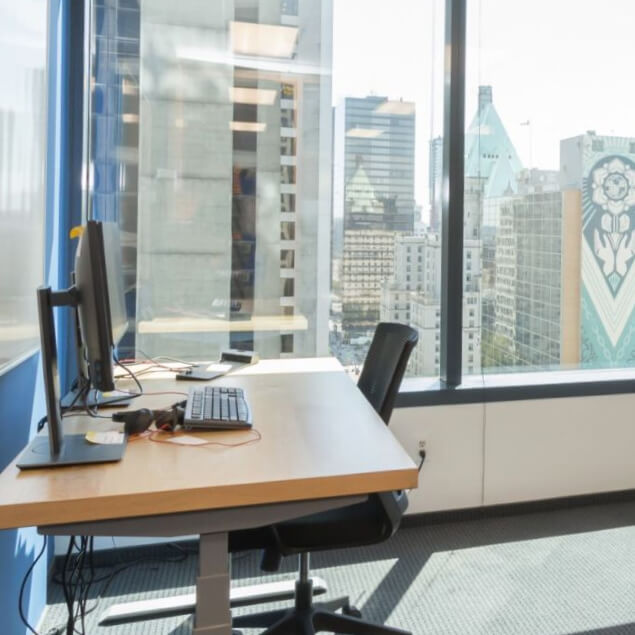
75,451
73,400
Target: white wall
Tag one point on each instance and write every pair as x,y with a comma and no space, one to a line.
506,452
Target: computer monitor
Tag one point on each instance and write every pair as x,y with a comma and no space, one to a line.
90,296
90,386
93,307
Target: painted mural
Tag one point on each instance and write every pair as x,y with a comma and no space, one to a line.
608,253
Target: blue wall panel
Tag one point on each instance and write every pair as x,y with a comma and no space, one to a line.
19,411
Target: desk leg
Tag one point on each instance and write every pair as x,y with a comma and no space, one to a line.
213,616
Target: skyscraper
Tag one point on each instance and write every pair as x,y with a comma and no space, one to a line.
373,202
525,330
413,296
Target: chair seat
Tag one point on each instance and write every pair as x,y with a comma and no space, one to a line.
355,525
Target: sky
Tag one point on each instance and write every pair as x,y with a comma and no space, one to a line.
566,66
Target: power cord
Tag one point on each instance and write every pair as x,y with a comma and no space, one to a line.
78,568
23,586
422,456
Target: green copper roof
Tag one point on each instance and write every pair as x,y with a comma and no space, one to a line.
489,152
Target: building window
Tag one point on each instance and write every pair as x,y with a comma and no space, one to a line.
287,146
286,343
287,258
287,174
288,286
287,202
287,230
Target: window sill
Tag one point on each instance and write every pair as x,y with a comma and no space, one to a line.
516,386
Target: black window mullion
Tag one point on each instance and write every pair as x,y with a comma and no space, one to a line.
453,183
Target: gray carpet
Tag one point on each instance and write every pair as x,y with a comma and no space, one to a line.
566,572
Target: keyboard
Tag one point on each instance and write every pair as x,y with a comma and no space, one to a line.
217,408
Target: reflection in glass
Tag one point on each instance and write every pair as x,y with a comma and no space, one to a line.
22,164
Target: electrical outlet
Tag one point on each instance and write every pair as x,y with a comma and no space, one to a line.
422,445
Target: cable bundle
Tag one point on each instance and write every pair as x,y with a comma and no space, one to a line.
78,574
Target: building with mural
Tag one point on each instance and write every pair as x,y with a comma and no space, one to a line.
598,189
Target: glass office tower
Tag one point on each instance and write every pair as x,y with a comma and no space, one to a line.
373,203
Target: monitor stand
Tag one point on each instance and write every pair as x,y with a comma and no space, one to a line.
75,450
73,399
60,449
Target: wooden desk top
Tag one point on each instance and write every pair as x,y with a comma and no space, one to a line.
320,438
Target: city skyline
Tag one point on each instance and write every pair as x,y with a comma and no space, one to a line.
399,54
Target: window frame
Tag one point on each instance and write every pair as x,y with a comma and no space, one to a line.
452,387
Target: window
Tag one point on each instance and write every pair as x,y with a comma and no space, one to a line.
549,284
286,343
22,166
287,230
210,203
287,202
287,174
287,259
287,146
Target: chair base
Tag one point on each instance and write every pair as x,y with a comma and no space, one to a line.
305,618
184,604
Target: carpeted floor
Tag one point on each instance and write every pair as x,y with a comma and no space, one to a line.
565,572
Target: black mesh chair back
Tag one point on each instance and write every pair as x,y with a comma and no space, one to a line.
385,365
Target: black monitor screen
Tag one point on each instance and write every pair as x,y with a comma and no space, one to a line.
91,281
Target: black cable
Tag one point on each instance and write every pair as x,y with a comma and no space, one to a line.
183,555
134,377
23,585
93,413
69,572
77,588
81,394
65,589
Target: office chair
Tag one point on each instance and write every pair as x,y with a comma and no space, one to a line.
367,523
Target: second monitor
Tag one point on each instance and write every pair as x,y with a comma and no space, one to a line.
90,296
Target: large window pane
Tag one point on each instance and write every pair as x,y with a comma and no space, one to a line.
550,185
275,168
22,164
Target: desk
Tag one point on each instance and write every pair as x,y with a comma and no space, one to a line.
322,447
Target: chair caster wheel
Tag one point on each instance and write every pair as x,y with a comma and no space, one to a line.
352,611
